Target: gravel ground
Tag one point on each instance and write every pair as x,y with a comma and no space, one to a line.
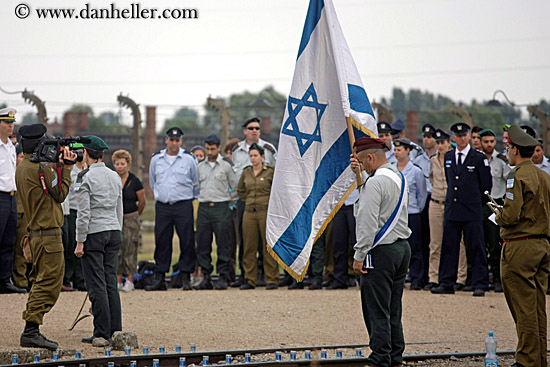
235,319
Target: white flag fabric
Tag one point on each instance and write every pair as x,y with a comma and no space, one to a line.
313,175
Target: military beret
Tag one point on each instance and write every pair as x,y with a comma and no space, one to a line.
212,139
368,143
486,132
529,130
7,114
460,128
258,147
476,129
403,142
174,133
428,129
383,127
31,132
18,149
441,135
520,138
96,143
505,127
253,119
398,126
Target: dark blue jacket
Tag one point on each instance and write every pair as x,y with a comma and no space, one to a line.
465,187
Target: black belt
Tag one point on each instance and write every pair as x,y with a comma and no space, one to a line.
174,202
255,209
536,237
437,201
10,193
212,203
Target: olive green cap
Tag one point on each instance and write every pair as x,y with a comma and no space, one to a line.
520,138
486,132
96,143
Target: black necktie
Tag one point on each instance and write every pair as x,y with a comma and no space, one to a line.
459,160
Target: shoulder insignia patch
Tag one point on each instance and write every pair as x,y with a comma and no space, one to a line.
509,196
269,147
486,162
236,146
510,180
155,153
228,161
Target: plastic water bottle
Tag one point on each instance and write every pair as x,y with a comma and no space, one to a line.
491,348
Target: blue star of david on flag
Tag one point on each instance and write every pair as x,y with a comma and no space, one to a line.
295,106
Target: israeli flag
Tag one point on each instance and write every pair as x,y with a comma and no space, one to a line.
313,177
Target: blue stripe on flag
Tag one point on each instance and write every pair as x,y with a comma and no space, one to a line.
358,99
313,15
334,162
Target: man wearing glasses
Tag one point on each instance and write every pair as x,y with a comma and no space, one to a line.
251,130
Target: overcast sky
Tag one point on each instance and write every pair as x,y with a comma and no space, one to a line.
464,49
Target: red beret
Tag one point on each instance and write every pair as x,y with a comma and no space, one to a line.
368,143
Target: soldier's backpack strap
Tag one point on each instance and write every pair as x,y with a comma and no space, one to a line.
42,179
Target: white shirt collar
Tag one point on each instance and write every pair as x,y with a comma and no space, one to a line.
464,152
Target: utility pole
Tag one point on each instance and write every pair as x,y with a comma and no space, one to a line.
33,100
136,134
219,105
544,124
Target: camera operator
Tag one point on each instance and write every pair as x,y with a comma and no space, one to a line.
42,191
98,192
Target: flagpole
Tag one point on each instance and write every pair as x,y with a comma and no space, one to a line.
352,142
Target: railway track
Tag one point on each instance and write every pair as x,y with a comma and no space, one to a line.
332,355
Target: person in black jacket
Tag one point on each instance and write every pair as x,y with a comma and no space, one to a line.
468,177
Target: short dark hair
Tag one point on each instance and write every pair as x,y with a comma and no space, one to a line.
525,152
94,154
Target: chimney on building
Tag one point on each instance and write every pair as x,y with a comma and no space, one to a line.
68,124
412,126
150,144
82,119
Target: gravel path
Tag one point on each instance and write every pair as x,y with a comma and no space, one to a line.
234,319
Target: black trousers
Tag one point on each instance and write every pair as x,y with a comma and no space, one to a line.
73,264
215,220
381,294
180,216
417,256
100,263
343,226
492,242
317,258
473,237
8,233
425,218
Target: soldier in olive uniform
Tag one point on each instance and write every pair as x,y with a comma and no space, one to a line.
98,192
19,263
525,262
42,207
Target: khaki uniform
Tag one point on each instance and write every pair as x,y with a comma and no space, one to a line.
255,191
525,258
436,214
45,219
19,263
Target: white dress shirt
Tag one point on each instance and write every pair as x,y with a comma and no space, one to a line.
8,159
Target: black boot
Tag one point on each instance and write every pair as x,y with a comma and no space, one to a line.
221,283
286,281
206,283
237,283
31,338
316,283
158,283
296,285
186,282
6,286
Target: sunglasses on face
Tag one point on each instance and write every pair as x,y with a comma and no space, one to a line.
253,128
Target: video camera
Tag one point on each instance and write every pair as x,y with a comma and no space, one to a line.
50,147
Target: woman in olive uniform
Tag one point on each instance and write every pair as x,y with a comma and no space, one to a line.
254,189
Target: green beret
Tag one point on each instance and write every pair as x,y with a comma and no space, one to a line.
520,138
505,127
486,132
96,143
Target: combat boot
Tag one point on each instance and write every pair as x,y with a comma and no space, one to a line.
31,338
186,282
206,283
221,283
6,286
158,283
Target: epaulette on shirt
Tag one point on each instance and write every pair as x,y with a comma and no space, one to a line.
503,157
269,147
228,161
155,153
191,154
236,146
81,175
414,164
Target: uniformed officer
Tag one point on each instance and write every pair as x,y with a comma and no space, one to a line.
398,132
468,177
417,199
241,159
499,172
423,161
539,159
385,133
173,178
42,206
476,139
436,215
384,196
8,202
98,192
218,191
525,229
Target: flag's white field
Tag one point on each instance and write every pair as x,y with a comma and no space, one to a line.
313,175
